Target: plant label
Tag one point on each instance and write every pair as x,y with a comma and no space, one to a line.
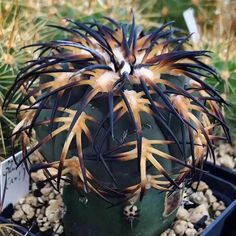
14,181
191,24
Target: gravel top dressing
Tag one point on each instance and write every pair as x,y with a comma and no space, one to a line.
43,207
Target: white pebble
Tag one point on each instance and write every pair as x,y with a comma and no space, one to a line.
190,225
21,201
197,213
191,232
54,210
227,161
182,214
29,211
59,230
46,191
51,195
31,200
179,227
202,186
210,197
18,215
215,206
217,213
198,198
44,228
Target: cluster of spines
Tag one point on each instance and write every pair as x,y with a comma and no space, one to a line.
104,60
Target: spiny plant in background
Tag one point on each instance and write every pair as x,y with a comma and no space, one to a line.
227,88
17,29
118,112
218,35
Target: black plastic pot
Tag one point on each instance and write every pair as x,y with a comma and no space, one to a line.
225,191
224,225
221,172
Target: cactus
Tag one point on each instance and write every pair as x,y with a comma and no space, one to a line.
125,118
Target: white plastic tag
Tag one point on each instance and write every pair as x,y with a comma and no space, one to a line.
14,180
191,24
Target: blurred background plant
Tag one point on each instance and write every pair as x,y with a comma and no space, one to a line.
217,21
24,22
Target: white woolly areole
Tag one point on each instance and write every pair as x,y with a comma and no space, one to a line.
106,81
144,73
118,54
120,58
131,97
126,68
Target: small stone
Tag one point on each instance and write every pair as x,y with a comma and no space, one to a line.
40,176
46,224
40,222
217,213
201,186
30,215
182,214
199,231
208,192
23,221
44,228
235,161
46,191
51,195
198,198
168,232
31,200
172,233
165,233
40,200
18,215
40,216
17,207
34,186
55,192
54,210
42,210
209,221
191,232
28,210
189,191
197,213
227,161
190,225
58,229
21,201
179,227
221,206
210,197
215,206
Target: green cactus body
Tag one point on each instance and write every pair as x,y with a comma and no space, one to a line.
97,217
118,114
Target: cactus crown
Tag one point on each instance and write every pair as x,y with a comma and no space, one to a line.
127,75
